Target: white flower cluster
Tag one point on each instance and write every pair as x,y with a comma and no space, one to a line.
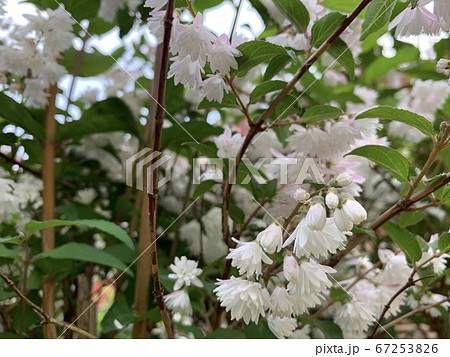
32,51
301,280
185,272
417,20
193,46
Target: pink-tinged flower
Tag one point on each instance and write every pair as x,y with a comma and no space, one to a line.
155,4
222,57
185,272
248,258
291,268
213,88
244,299
332,199
271,239
178,301
195,40
316,216
186,72
413,22
227,144
442,12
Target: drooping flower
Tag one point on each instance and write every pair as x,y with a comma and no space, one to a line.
332,199
271,239
248,258
223,54
244,299
185,71
185,272
442,12
109,8
316,216
213,88
228,145
413,22
35,92
354,211
281,302
195,41
281,327
354,318
178,301
311,278
155,4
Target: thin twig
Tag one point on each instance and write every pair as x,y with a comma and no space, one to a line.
46,319
18,163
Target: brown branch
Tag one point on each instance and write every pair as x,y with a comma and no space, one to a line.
153,196
244,108
18,163
48,179
47,320
254,129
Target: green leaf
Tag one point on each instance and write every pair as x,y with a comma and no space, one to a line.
321,112
444,242
85,253
120,311
236,213
329,329
295,12
79,9
382,65
207,149
228,101
11,240
17,114
201,5
370,232
203,187
225,333
104,226
93,63
109,115
264,88
400,115
8,253
323,28
257,52
346,6
407,219
276,64
377,15
340,51
259,331
339,294
180,133
387,158
405,240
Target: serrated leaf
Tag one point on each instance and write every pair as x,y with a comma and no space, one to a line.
377,15
404,116
265,88
11,240
257,52
407,219
85,253
295,12
276,64
104,226
321,112
203,187
8,253
387,158
444,242
323,28
405,240
17,114
340,51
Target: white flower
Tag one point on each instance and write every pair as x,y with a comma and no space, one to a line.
155,24
178,301
155,4
245,299
395,270
222,57
311,278
57,31
442,12
297,42
343,223
271,239
281,327
354,318
290,268
332,199
213,88
228,146
316,216
413,22
281,302
194,40
185,271
186,72
85,196
351,213
300,195
108,9
344,179
429,299
316,243
248,258
443,63
35,92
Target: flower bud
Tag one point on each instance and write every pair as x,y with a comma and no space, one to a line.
316,216
344,179
443,63
300,195
343,223
291,268
332,199
271,238
354,211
